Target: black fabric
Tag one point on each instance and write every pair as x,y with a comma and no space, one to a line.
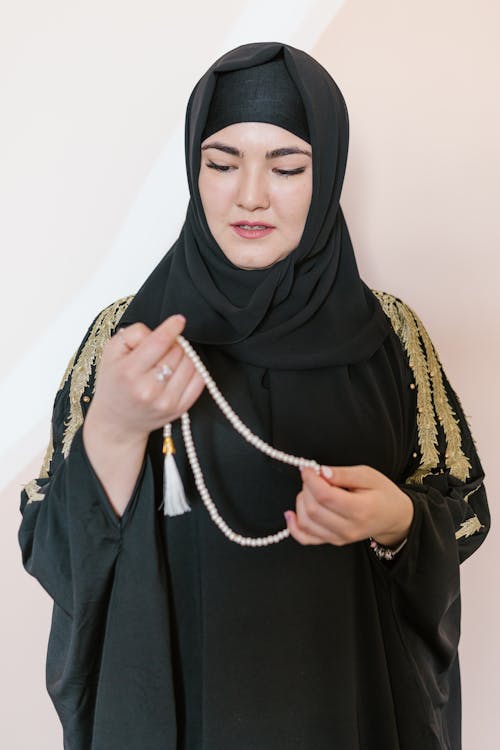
167,636
309,310
262,93
287,650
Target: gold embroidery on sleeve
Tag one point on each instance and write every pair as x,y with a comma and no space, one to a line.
469,527
67,372
456,460
90,356
404,325
44,471
432,402
33,491
79,373
466,498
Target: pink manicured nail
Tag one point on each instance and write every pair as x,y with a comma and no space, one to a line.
288,515
327,472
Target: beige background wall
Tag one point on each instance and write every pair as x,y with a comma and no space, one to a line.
92,191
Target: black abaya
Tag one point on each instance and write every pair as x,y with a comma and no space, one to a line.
167,636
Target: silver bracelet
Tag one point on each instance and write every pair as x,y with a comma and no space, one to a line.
386,553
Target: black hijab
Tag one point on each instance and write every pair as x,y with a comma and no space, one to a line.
262,93
307,311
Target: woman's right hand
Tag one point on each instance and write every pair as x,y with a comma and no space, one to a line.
129,398
130,401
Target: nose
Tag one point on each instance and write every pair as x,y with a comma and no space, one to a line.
253,190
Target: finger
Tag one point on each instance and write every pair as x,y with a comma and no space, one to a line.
315,517
172,360
300,536
351,477
345,477
326,525
191,393
346,504
305,522
155,346
126,339
335,498
331,527
177,384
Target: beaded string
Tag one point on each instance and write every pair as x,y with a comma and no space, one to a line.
247,434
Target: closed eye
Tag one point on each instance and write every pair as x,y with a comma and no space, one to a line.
290,172
281,172
219,167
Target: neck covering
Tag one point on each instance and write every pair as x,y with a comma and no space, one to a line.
310,309
264,93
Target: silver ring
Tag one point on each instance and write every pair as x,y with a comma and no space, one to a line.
163,373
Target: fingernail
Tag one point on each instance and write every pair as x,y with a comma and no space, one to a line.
180,318
287,515
327,472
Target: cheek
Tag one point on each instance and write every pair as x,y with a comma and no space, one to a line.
292,205
215,196
303,204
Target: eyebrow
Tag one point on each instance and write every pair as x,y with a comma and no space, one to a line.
275,154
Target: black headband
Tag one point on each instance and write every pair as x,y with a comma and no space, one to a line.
263,93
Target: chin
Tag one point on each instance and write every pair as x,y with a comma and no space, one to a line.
257,265
253,263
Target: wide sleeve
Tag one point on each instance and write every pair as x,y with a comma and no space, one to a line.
444,476
66,501
108,660
419,590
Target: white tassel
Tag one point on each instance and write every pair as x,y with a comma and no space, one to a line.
174,497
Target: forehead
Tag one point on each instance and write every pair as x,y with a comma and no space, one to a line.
249,136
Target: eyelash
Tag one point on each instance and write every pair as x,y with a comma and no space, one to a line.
281,172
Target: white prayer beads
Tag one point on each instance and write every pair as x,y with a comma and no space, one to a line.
247,434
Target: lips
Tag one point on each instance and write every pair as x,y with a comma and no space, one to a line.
252,225
252,230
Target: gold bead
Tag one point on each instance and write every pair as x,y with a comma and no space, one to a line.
168,446
412,386
414,454
86,399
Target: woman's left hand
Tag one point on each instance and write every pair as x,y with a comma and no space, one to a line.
346,504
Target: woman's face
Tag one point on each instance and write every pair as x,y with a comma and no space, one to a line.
255,185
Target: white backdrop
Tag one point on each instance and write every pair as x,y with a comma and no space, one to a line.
91,142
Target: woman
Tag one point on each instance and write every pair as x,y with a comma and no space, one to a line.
182,628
